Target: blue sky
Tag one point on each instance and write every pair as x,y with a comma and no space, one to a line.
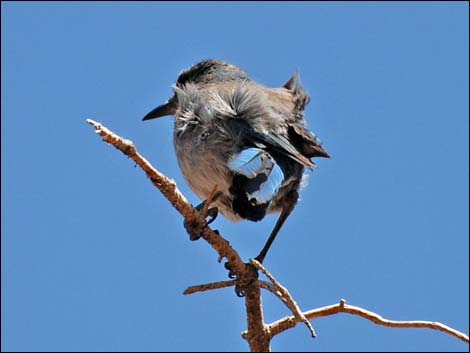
94,258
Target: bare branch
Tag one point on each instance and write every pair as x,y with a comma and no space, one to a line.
283,294
258,334
169,189
258,337
208,286
289,322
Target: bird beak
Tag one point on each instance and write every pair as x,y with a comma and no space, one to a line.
320,152
168,108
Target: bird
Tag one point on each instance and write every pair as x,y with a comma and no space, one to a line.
249,141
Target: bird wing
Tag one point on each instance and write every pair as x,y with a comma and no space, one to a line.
268,119
263,127
264,176
282,145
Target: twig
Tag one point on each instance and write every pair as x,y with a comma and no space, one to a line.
289,322
208,286
268,286
258,337
283,294
169,189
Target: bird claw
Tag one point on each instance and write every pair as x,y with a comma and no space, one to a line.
239,293
212,212
231,274
194,229
242,283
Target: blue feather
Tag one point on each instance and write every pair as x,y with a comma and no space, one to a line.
269,188
248,162
253,162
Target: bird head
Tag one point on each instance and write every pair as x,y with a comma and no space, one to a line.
203,73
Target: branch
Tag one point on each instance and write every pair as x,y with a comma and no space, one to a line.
282,293
169,189
258,337
208,286
289,322
258,334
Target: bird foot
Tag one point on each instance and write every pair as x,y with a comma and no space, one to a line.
195,229
231,273
250,276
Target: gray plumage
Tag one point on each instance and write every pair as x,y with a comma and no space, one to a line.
249,140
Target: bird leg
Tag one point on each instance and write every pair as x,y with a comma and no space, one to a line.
252,273
289,204
195,230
